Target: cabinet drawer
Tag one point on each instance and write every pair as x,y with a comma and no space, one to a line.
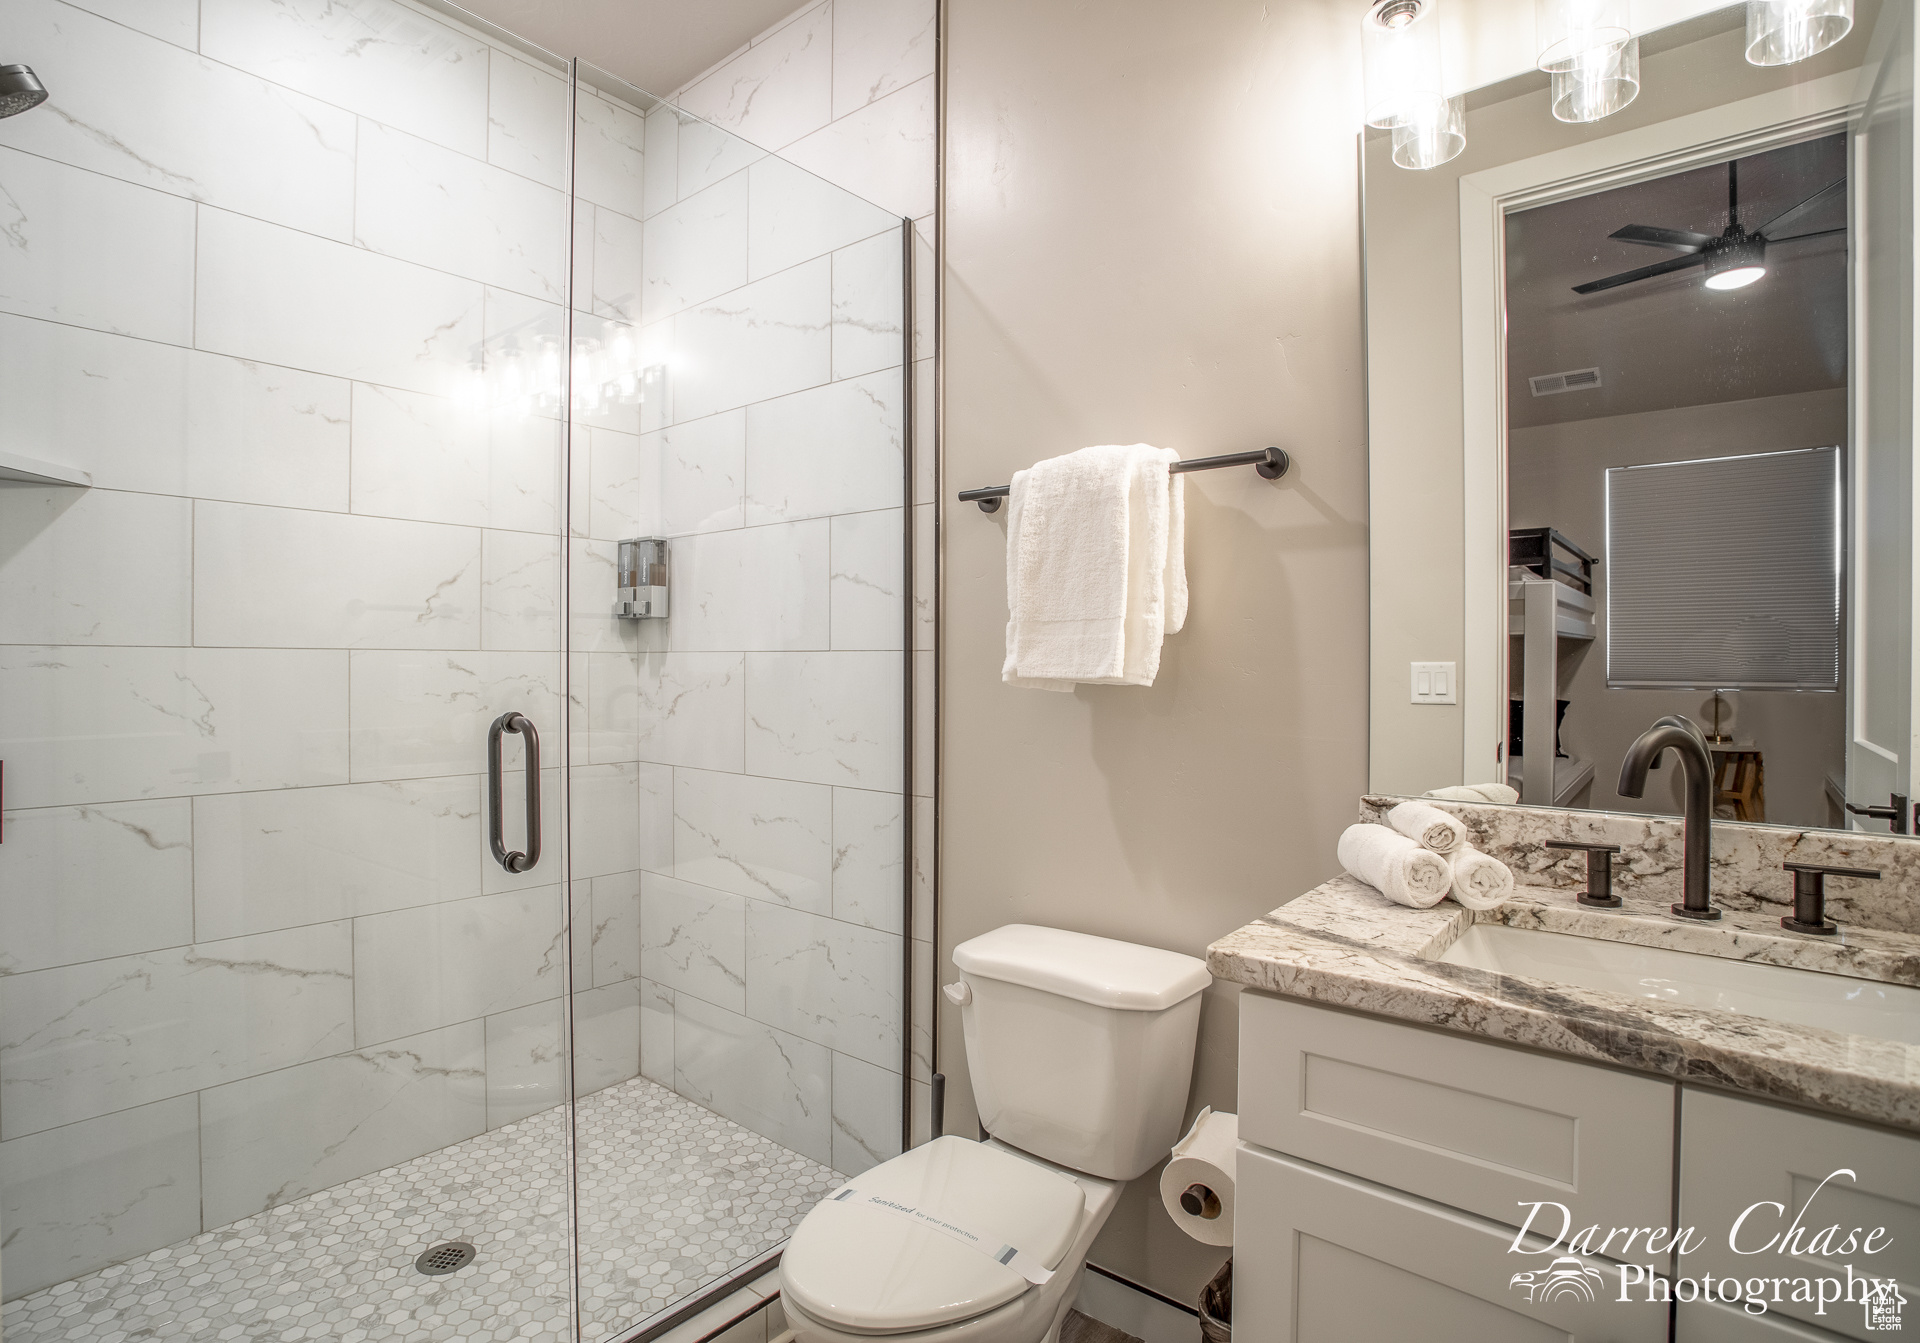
1475,1125
1736,1153
1323,1258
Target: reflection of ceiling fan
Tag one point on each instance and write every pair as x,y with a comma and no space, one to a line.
1734,259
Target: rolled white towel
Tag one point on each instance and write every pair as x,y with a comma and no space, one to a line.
1480,882
1395,866
1496,793
1428,826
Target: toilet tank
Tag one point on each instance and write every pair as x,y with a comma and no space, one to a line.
1080,1048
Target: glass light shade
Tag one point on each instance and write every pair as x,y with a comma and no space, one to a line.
1400,52
1737,278
1565,30
1780,32
1600,82
1436,134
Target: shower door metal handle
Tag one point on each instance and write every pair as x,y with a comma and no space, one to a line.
513,861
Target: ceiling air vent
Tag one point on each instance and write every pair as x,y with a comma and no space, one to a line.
1573,380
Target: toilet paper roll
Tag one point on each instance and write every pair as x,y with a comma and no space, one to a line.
1197,1185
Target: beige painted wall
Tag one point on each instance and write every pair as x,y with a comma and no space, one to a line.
1151,233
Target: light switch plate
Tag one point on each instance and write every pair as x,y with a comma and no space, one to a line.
1433,683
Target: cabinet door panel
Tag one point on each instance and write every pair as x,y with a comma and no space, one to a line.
1320,1257
1736,1153
1469,1123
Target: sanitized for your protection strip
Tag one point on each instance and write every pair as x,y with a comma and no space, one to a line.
1013,1257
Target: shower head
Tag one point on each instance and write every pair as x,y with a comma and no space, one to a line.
19,90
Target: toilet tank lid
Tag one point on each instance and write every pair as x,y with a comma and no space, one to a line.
1095,970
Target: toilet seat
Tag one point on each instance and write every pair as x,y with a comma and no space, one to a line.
862,1268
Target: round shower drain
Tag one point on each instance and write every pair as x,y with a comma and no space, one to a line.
447,1257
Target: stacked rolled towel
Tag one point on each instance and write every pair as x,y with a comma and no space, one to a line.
1480,882
1428,826
1496,793
1395,866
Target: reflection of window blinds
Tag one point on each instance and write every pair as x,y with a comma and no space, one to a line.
1725,574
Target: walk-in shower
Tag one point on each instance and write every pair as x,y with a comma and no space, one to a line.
341,347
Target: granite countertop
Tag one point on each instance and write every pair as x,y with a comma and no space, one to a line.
1345,944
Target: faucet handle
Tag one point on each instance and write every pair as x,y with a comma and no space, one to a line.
1599,893
1810,896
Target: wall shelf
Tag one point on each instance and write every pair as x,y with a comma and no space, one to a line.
18,470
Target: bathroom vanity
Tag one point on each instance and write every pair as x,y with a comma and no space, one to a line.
1413,1082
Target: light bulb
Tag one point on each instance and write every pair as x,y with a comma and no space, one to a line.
1737,278
1780,32
1400,54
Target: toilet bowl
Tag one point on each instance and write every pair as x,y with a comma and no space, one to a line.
1081,1052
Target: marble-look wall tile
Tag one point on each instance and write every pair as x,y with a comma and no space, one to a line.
764,340
337,309
925,595
825,717
830,449
624,489
868,580
88,883
773,1083
282,858
95,567
827,981
690,709
775,91
208,1014
610,144
165,420
527,119
97,724
160,117
925,433
422,203
794,216
922,1034
621,818
759,588
417,969
866,1115
693,940
662,171
702,473
175,21
99,1192
287,578
656,1032
613,708
925,724
766,838
867,307
704,154
526,1062
868,858
87,250
276,1137
883,152
419,714
925,861
438,459
375,57
620,253
614,935
879,47
519,591
606,1036
696,249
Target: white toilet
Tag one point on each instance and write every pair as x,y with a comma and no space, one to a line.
1081,1050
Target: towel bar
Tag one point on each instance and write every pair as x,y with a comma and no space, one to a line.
1269,462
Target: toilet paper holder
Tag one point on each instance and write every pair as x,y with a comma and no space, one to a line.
1199,1201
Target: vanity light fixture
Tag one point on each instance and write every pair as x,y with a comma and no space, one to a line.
1780,32
1590,55
1405,86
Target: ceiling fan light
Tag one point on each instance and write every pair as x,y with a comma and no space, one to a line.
1429,140
1565,30
1781,32
1737,264
1600,82
1737,278
1400,56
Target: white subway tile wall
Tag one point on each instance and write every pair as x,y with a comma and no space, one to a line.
254,943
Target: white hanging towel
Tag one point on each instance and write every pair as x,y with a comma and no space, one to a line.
1096,567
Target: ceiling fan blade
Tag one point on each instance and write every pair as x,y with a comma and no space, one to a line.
1644,273
1679,239
1794,212
1796,237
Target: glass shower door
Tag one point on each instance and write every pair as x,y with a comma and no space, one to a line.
282,488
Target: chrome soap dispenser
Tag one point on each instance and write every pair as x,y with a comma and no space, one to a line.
642,579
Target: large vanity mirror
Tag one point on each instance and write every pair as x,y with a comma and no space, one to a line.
1641,394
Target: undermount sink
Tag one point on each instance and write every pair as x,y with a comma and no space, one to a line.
1799,997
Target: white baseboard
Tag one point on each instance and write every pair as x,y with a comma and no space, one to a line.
1132,1310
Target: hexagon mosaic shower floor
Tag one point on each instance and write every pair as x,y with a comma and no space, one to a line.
672,1197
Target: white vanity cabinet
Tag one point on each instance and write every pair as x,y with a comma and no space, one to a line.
1384,1167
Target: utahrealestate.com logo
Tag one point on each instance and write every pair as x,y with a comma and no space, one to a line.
1578,1270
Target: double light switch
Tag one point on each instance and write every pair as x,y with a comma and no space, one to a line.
1433,683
